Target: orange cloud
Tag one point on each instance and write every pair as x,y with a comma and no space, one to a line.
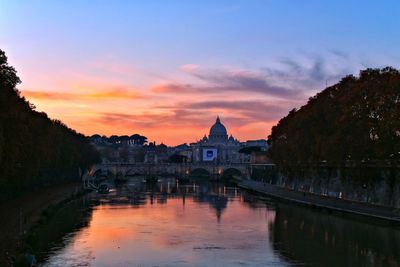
192,125
112,94
173,88
172,111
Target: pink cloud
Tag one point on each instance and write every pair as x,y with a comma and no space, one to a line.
117,93
189,67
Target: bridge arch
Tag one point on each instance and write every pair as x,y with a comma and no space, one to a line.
231,172
200,172
132,172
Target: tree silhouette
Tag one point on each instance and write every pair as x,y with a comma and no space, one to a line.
35,150
354,122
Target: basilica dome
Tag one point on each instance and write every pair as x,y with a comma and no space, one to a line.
218,128
218,132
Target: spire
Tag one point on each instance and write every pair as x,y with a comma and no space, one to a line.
218,120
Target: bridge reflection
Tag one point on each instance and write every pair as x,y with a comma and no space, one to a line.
137,193
298,235
243,225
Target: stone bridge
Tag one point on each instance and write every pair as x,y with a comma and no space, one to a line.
128,169
243,170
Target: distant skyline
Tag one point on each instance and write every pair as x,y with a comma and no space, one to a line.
166,69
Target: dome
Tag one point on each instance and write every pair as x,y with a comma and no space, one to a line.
218,129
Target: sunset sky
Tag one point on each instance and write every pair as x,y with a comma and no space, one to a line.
165,69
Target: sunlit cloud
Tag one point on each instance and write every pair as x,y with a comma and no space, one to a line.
174,88
295,79
157,118
189,67
192,124
136,67
217,81
249,101
96,95
261,106
245,111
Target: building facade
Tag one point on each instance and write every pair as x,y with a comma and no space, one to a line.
218,147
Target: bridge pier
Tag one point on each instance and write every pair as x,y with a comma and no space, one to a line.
244,170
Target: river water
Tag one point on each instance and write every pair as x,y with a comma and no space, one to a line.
205,224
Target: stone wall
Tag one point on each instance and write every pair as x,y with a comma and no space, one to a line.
374,185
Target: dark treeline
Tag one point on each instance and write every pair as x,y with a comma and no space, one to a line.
35,150
135,139
355,122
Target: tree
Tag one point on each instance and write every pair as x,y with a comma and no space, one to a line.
139,139
354,121
8,75
114,139
35,150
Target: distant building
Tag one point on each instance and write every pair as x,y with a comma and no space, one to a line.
218,147
261,143
155,153
259,157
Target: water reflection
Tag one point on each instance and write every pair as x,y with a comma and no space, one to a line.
205,224
139,193
323,239
172,225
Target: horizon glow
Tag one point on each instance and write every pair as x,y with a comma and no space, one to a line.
166,69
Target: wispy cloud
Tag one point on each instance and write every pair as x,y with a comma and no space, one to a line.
156,119
294,79
249,101
175,88
238,113
96,95
243,81
189,67
219,81
312,72
248,110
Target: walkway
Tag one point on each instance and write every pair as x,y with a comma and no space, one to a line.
331,203
21,213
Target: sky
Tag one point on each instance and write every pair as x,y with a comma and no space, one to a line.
165,69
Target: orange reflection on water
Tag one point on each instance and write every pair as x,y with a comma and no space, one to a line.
181,230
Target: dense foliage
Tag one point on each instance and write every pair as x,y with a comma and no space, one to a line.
35,150
354,122
135,139
249,149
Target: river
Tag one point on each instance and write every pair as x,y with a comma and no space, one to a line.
206,224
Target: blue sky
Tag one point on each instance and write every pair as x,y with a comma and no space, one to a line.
238,48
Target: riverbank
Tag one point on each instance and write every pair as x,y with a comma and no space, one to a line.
20,214
326,202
